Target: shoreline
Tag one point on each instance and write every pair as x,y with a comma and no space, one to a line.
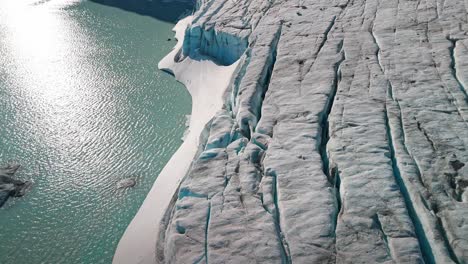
206,83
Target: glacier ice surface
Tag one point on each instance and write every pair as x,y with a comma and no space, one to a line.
343,135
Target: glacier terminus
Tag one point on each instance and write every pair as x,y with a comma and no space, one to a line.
321,132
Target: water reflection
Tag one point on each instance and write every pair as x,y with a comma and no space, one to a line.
40,46
82,106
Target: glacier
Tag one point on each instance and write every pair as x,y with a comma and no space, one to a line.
322,132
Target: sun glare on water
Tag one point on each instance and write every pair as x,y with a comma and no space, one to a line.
48,57
82,107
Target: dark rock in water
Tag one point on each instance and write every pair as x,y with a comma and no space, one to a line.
169,39
22,189
126,183
3,197
9,186
9,170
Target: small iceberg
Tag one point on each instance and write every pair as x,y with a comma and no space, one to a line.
126,183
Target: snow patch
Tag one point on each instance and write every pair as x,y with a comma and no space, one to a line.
206,81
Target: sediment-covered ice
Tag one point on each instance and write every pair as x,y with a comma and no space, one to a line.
342,139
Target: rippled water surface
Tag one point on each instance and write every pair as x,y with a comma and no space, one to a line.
82,106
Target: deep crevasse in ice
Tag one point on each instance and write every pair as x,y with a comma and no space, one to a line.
343,136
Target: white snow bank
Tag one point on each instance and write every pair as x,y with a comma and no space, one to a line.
206,83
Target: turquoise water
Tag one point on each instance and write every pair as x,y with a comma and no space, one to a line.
82,106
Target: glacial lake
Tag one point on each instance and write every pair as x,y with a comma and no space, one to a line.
82,106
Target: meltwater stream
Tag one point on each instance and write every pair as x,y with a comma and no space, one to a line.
82,106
